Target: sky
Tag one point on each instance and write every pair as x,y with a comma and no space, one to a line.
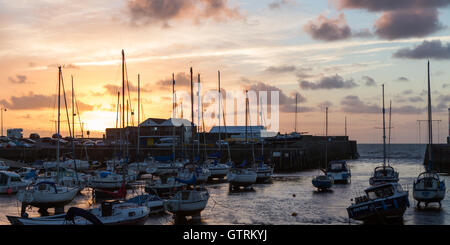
332,53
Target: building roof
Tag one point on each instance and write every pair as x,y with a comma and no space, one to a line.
157,122
236,129
152,122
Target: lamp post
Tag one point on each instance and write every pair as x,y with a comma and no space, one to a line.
2,109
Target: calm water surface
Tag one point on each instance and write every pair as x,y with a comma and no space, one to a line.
293,193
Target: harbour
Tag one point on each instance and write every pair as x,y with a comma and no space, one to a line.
257,206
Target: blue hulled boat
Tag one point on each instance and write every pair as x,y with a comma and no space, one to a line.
383,202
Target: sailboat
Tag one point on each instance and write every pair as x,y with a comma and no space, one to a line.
219,170
243,176
196,168
46,194
193,200
264,171
323,182
428,187
385,173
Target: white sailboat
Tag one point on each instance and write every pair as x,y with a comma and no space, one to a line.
428,187
243,177
109,213
49,194
385,173
192,201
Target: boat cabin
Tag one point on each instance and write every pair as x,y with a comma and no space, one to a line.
7,178
428,180
383,191
337,166
384,171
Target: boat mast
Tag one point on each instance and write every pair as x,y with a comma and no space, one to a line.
192,118
123,101
295,125
73,133
198,117
326,122
345,126
220,97
389,140
173,116
384,133
139,116
59,117
430,121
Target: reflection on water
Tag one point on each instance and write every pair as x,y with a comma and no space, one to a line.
291,198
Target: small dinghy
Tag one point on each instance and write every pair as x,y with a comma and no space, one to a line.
110,213
381,203
322,182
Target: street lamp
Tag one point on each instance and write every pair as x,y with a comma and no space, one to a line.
2,109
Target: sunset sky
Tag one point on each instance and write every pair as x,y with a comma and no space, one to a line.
334,53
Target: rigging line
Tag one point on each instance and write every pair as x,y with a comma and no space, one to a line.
65,103
79,117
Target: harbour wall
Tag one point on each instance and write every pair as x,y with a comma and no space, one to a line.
441,157
285,155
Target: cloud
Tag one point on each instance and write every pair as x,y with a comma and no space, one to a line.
325,105
386,5
280,69
182,79
64,66
112,89
400,18
426,50
162,11
368,81
287,102
407,23
20,79
415,99
402,79
352,104
38,101
333,82
328,29
408,109
408,91
276,4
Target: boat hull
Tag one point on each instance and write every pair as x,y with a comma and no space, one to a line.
47,200
12,188
380,210
241,180
322,184
340,177
428,196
